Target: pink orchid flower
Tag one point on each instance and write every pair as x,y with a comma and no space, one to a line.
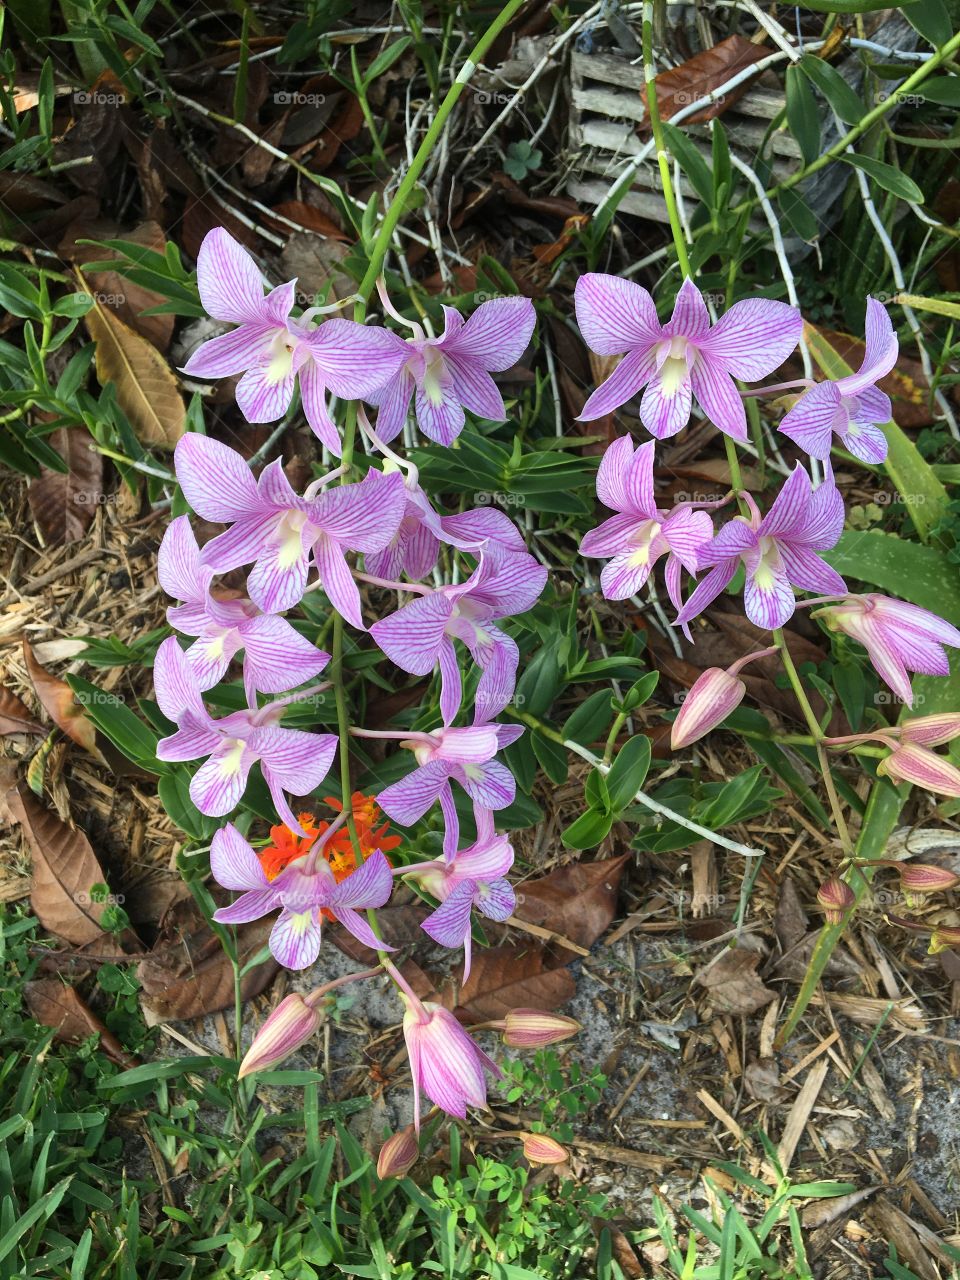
301,892
446,375
777,551
465,756
473,877
290,759
273,350
280,531
897,636
683,358
852,407
640,533
445,1062
276,657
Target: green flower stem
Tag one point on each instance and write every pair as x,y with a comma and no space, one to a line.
656,127
817,735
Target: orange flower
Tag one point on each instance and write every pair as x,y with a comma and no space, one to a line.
338,851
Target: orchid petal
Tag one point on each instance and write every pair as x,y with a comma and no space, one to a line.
615,315
295,939
230,283
718,397
634,370
495,336
215,480
412,636
231,353
754,337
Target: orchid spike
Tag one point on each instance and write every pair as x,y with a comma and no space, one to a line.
465,756
446,375
420,636
640,533
272,349
897,636
290,759
683,358
280,531
474,877
777,550
303,892
852,408
276,657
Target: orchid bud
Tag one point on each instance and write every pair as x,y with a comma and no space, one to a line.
931,731
534,1028
540,1148
712,697
398,1154
944,938
918,879
290,1025
916,764
836,897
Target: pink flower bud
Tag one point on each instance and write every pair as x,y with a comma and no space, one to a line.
290,1025
836,897
398,1154
916,764
534,1028
540,1148
708,703
918,879
931,731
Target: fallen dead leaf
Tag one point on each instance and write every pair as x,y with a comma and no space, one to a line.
700,75
53,1003
577,901
146,388
64,505
65,869
514,976
733,982
16,717
59,702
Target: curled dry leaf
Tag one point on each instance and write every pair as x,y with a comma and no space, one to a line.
146,388
60,704
64,505
515,976
65,869
733,982
577,901
54,1004
703,73
15,716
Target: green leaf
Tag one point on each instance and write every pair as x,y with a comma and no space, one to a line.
641,691
925,497
688,156
117,722
588,830
802,114
384,61
798,215
552,757
590,720
833,86
628,772
944,90
849,6
932,19
936,306
922,575
886,176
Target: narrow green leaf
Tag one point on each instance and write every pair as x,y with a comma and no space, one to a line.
833,86
688,156
887,177
802,114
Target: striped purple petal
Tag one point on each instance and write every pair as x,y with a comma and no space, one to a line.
337,581
718,397
489,859
370,885
211,656
615,315
409,799
394,404
787,518
690,317
686,532
871,406
249,906
624,576
708,589
215,480
665,407
451,686
355,360
175,685
279,578
295,939
807,571
276,656
313,393
490,784
412,636
297,761
230,283
192,740
475,389
754,337
880,354
612,475
440,415
638,482
866,442
496,899
233,862
354,923
449,924
633,371
218,785
364,516
498,677
266,389
232,352
178,563
768,598
824,522
495,336
810,423
241,544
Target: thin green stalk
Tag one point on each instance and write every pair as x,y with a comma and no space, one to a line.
656,127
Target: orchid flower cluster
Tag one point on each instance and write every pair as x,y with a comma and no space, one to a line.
292,543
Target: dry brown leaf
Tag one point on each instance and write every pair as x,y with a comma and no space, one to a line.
308,216
703,73
64,505
146,388
65,869
577,901
15,716
514,976
733,982
60,704
54,1004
